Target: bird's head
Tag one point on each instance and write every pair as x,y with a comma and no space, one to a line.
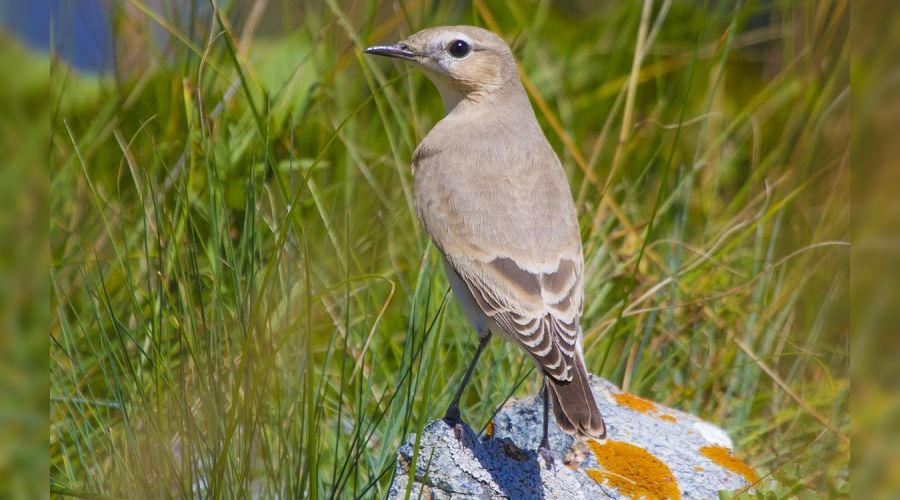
464,62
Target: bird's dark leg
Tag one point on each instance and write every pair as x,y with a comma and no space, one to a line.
544,448
545,441
452,416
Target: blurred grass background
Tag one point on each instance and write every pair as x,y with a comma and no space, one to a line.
242,302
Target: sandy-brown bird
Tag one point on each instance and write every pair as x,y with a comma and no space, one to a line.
492,194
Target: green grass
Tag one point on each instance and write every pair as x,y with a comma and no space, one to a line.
243,302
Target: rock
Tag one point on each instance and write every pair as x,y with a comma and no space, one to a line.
651,451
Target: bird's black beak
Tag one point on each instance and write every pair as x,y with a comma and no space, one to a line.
398,50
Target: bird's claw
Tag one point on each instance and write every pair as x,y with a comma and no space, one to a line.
544,453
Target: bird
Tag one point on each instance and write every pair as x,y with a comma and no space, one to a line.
493,196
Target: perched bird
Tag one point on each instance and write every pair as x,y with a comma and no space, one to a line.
492,194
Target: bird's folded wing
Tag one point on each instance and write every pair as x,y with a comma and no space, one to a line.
538,308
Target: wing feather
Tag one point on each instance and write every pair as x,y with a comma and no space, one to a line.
539,310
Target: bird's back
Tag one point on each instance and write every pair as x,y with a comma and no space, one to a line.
492,181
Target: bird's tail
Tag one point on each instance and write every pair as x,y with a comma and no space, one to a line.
574,406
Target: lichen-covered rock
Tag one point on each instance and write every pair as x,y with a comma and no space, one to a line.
651,452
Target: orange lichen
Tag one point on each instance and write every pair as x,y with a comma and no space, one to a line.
699,468
633,471
722,456
489,430
641,405
636,403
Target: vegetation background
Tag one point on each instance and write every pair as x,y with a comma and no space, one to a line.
243,304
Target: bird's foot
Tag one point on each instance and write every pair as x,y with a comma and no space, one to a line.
454,420
543,452
458,431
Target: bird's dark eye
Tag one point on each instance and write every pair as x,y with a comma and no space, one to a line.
459,48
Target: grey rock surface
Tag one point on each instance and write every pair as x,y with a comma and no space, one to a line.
652,451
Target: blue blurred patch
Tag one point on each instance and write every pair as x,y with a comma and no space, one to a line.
79,31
